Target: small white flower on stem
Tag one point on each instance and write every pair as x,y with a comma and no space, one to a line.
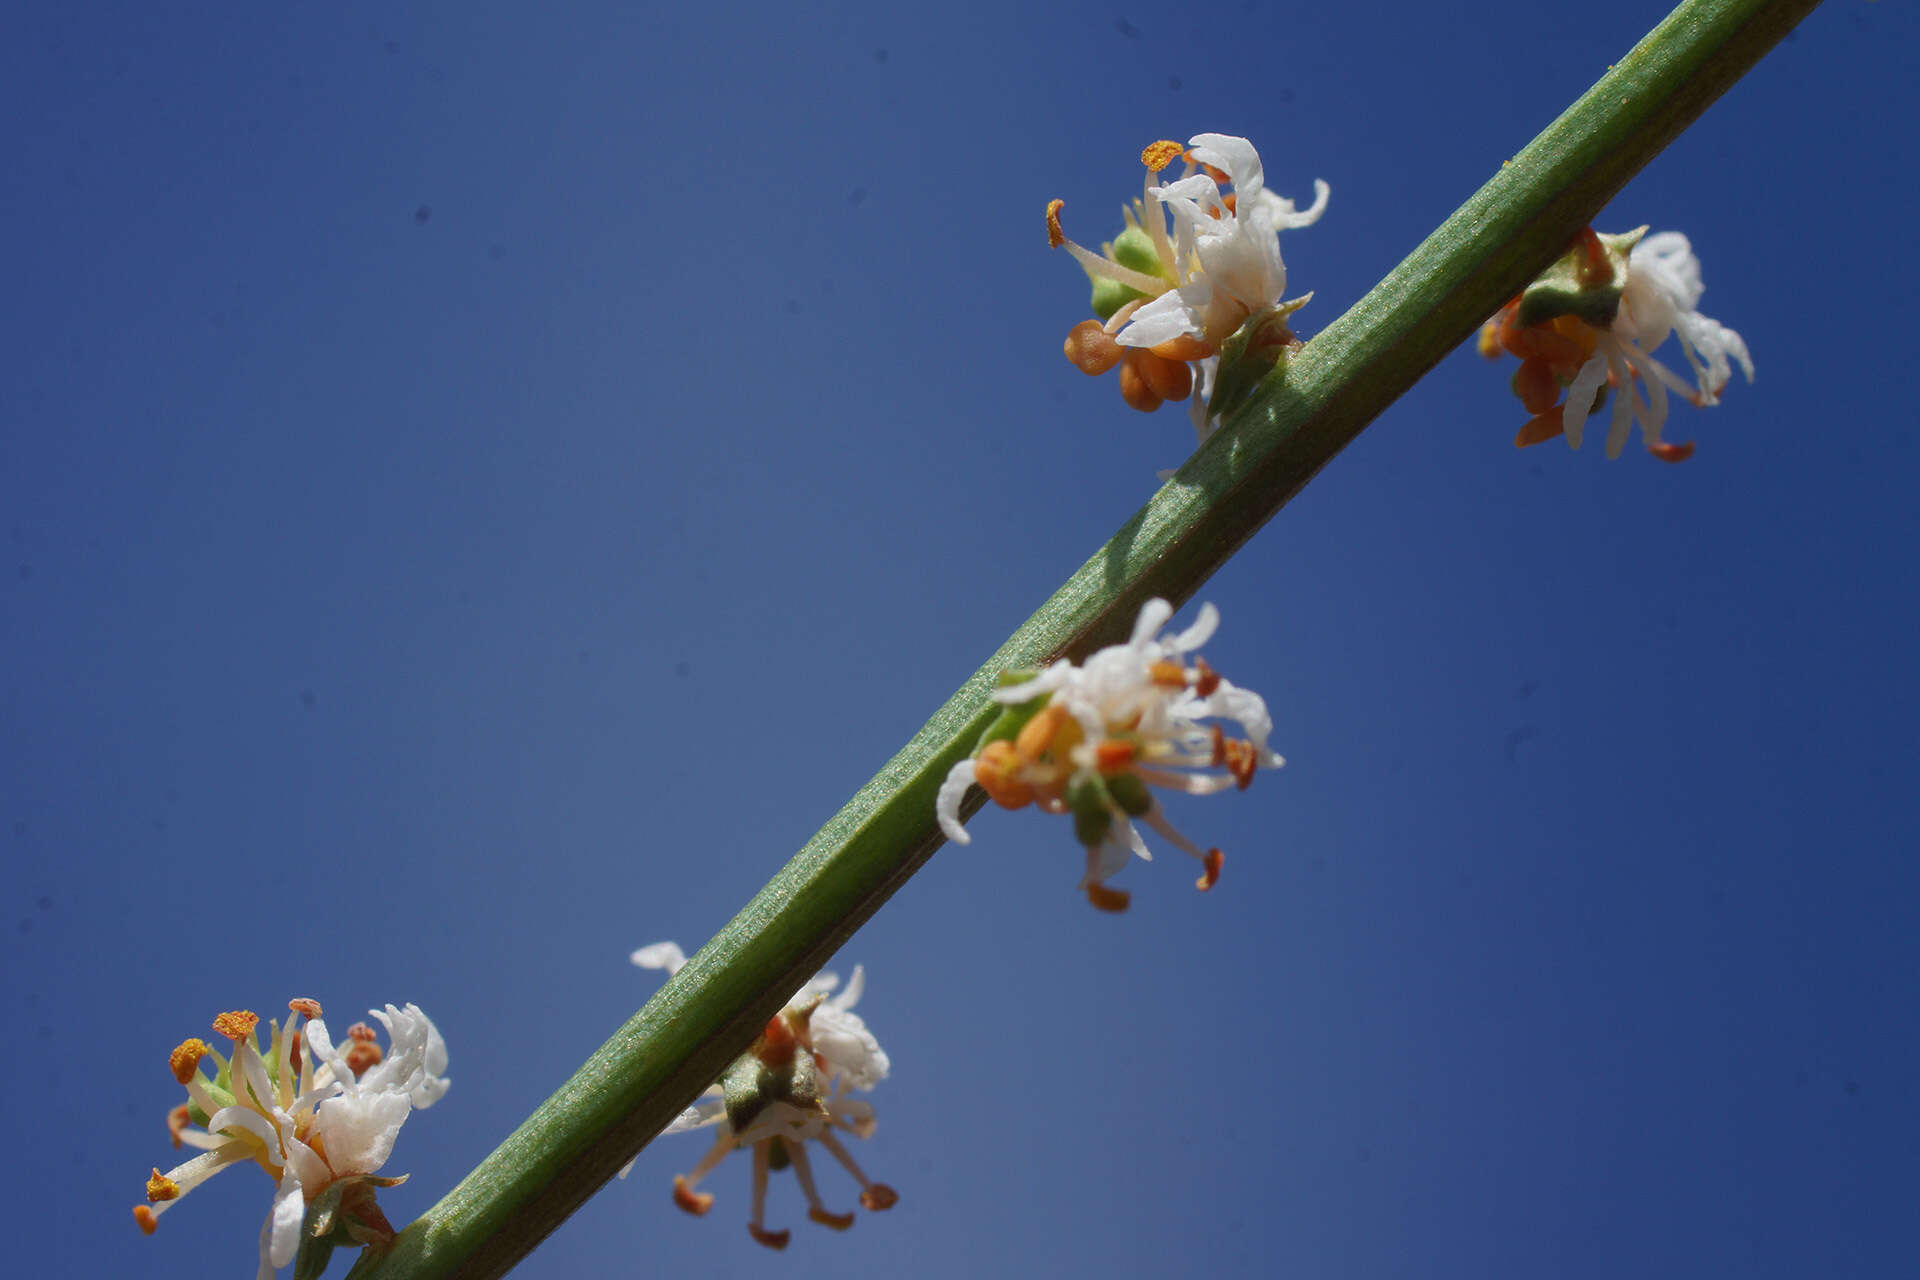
1090,740
321,1122
787,1090
1194,264
1591,321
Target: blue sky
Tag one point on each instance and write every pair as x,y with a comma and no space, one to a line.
481,487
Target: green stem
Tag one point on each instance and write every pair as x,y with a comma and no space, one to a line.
1295,423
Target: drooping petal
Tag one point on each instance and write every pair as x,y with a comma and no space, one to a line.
946,805
660,955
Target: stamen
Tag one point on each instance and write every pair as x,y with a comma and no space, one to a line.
1671,452
149,1223
303,1005
694,1202
1211,876
160,1187
1534,383
185,1060
1184,347
363,1050
1037,736
879,1196
177,1121
1091,349
1113,755
771,1239
1160,154
803,1171
1055,236
236,1026
1113,901
875,1196
1489,340
756,1225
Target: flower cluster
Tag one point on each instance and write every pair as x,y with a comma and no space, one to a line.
1168,298
1591,322
319,1119
787,1090
1090,740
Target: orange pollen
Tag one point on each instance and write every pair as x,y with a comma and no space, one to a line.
145,1217
361,1031
1113,755
1091,349
1055,236
1112,901
1134,388
1167,674
1212,862
838,1221
237,1025
1671,452
161,1187
177,1121
694,1202
303,1006
771,1239
879,1196
1160,154
185,1060
1206,679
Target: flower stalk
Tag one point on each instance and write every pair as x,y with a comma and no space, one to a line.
1290,426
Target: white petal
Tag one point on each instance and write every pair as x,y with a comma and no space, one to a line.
660,955
289,1211
1153,616
1199,633
358,1130
946,806
1580,393
850,1049
856,987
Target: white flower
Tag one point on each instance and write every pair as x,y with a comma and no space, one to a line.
1659,296
1171,295
1225,256
1090,739
787,1090
316,1121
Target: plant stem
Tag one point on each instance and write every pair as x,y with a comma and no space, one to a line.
1295,423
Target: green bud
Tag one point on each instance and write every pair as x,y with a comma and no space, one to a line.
1092,818
1578,285
1007,726
1110,295
1133,249
1130,794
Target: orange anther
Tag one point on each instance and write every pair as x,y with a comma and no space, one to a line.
362,1054
1134,388
361,1031
998,773
1159,155
1541,428
1167,674
879,1196
160,1187
1205,679
1489,341
1055,236
303,1006
148,1221
1037,736
1671,452
1212,862
694,1202
236,1026
838,1221
1534,383
177,1121
771,1239
185,1060
1238,757
1091,349
1112,755
1110,900
1168,379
